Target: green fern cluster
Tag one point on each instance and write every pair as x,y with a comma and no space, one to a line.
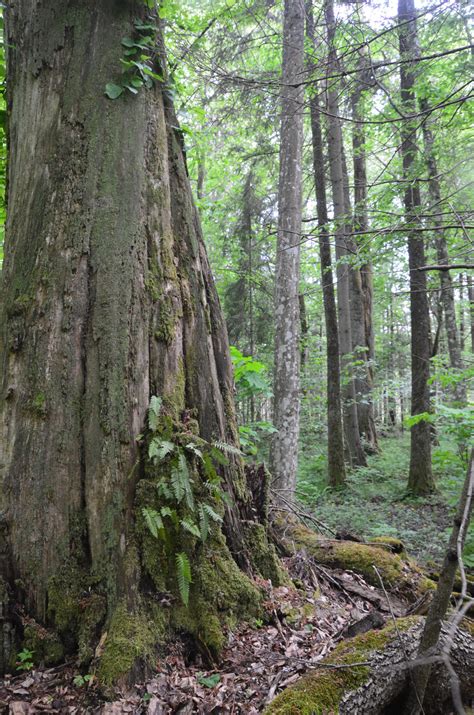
181,512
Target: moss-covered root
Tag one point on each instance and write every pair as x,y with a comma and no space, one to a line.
398,573
369,688
131,642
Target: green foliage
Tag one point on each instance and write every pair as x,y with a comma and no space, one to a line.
183,571
138,62
180,458
375,502
25,659
80,680
209,681
252,384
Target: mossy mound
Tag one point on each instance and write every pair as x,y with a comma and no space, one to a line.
131,640
320,692
45,645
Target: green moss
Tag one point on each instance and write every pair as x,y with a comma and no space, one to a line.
38,405
174,399
320,692
395,545
75,609
221,595
360,558
167,320
93,612
263,554
131,637
46,645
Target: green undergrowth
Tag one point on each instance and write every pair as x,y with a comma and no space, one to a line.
375,502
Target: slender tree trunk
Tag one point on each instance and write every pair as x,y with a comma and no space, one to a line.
336,466
284,452
447,290
365,410
335,153
470,292
420,480
462,322
304,329
108,299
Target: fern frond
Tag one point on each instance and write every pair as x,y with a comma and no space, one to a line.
167,511
227,448
159,448
179,477
190,526
154,412
194,449
211,513
153,521
203,523
183,573
164,490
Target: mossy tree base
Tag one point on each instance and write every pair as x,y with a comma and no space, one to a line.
378,684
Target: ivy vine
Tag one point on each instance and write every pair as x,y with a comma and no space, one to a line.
138,62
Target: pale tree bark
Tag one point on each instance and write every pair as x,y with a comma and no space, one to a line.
420,480
365,407
108,299
447,290
470,292
353,445
462,317
336,465
284,451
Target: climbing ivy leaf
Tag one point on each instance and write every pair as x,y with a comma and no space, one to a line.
113,90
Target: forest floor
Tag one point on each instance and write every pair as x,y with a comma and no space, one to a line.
375,502
299,626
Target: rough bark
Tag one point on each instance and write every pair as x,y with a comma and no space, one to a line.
470,292
365,409
420,480
108,299
284,451
447,290
377,685
336,465
335,154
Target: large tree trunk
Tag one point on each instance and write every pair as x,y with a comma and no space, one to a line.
284,452
341,219
336,465
420,480
108,299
